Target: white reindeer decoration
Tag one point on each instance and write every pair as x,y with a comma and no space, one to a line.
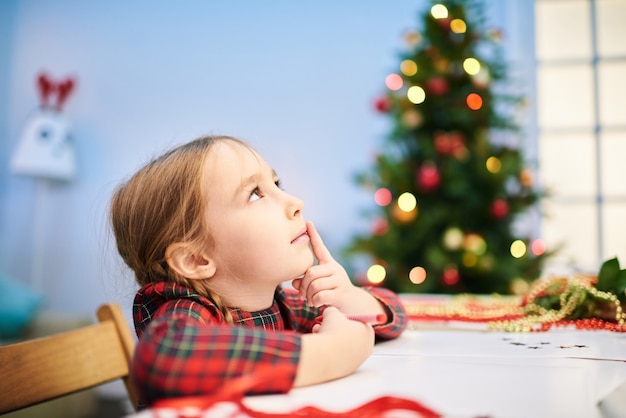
45,148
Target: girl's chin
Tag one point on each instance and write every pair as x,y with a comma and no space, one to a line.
302,265
306,267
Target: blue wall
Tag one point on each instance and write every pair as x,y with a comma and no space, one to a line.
296,79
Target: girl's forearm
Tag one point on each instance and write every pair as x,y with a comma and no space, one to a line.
326,356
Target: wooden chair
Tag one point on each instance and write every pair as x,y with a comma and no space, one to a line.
45,368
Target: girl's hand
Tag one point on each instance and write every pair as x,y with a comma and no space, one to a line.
327,283
336,348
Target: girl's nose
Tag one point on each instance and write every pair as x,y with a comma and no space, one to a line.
294,205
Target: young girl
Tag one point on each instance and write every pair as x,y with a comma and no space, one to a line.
210,236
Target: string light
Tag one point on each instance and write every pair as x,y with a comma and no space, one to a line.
417,275
407,202
493,165
416,94
518,248
408,67
453,238
471,66
376,274
439,11
393,82
474,101
458,26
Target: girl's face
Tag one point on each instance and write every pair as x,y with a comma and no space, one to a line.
257,228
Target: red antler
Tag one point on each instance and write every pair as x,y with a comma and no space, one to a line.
45,89
64,89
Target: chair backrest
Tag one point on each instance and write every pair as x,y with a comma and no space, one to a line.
45,368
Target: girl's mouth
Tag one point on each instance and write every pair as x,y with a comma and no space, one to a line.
302,237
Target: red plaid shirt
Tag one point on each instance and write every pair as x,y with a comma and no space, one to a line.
186,348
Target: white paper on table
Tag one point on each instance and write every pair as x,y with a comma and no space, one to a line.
563,343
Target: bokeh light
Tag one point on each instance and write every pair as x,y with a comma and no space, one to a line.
474,101
519,286
482,78
469,259
439,11
453,238
408,67
538,247
471,66
380,226
518,249
416,94
393,82
475,244
382,197
526,177
376,274
458,26
407,202
412,38
493,165
403,216
417,275
411,118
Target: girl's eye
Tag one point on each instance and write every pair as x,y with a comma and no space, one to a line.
255,195
278,184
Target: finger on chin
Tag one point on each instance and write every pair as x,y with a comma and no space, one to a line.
317,244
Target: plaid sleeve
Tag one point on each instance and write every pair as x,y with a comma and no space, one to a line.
398,319
179,355
301,315
305,315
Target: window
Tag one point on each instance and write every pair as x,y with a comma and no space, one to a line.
581,120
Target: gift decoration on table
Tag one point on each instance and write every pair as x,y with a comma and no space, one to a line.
229,402
204,407
582,301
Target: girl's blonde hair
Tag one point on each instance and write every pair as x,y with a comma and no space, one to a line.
163,204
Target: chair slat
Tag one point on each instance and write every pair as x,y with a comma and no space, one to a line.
45,368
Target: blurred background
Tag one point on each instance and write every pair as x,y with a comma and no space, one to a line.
298,81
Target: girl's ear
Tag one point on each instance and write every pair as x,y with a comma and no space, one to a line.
187,263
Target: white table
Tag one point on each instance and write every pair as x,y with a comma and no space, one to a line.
471,373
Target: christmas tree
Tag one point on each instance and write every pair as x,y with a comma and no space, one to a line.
450,180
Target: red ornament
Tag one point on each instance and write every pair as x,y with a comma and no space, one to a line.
442,143
380,226
444,23
437,86
450,276
383,104
499,208
451,143
428,176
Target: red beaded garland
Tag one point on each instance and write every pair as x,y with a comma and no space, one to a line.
589,324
